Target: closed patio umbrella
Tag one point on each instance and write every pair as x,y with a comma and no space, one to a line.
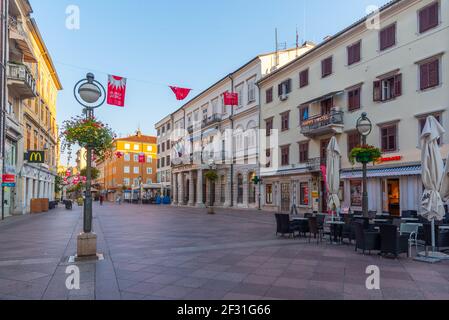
432,207
333,175
444,190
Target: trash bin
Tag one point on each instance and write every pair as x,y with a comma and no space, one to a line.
35,206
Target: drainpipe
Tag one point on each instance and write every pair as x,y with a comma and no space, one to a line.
232,141
4,48
258,149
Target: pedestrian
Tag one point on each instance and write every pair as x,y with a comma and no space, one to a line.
101,200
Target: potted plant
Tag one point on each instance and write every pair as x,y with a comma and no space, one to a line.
365,154
212,176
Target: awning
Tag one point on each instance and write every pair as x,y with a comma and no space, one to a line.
385,172
326,96
285,172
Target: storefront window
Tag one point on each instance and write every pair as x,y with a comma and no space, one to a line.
240,189
304,193
251,188
356,193
269,194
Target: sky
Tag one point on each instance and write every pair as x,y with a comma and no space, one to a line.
189,44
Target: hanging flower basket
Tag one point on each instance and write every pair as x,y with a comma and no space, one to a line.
365,154
87,133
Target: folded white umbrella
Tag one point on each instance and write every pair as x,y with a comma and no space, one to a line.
444,190
333,174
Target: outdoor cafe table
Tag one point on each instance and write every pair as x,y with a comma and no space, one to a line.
336,227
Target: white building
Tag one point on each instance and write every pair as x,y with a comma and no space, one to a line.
396,73
164,175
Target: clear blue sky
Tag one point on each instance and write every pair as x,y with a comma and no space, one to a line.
185,43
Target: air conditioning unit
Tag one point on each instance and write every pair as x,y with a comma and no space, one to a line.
284,97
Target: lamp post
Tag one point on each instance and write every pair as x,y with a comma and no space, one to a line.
364,127
90,94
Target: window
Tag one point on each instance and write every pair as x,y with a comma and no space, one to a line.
251,188
356,193
149,170
136,170
158,163
389,138
303,114
239,90
28,143
162,162
168,145
353,140
326,67
269,126
285,121
285,155
269,95
127,146
304,194
285,87
215,106
354,99
36,140
158,149
163,147
388,37
126,182
168,160
303,152
149,148
354,53
429,74
269,194
149,159
126,169
149,181
127,157
168,126
240,188
251,90
388,88
326,106
304,78
268,156
422,123
428,17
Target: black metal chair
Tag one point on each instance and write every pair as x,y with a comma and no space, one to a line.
441,237
392,242
285,226
365,240
315,230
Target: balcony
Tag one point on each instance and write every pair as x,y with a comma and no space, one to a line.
332,123
315,164
19,35
21,81
212,120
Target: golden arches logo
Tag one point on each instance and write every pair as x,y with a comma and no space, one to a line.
36,157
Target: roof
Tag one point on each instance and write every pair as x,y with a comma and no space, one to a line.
141,139
328,40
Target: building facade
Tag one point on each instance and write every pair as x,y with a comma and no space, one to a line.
164,130
209,135
130,166
395,72
32,88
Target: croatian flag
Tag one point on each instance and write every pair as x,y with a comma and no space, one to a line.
116,91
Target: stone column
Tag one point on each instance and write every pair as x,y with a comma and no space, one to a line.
23,202
191,190
218,191
181,189
174,188
30,194
199,190
228,190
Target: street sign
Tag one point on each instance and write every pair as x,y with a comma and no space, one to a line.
35,156
9,180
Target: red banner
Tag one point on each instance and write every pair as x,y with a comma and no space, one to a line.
142,158
180,93
9,178
231,99
116,91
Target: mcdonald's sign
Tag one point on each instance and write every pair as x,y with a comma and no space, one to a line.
35,156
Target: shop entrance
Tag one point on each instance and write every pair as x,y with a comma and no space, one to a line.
285,197
393,196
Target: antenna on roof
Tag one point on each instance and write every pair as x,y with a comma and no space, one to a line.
279,45
297,41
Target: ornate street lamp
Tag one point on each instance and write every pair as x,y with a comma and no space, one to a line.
364,127
90,94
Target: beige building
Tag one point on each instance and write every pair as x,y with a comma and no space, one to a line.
209,135
396,73
164,130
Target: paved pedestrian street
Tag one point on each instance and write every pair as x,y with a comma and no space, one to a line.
155,252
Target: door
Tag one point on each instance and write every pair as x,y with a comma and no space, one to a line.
394,197
285,197
323,150
326,106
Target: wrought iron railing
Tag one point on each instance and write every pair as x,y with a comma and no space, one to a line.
322,121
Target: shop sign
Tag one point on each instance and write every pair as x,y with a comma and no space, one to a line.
35,157
390,159
9,180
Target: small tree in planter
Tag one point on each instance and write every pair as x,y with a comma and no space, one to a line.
365,154
212,176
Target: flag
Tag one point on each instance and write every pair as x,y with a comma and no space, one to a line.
180,93
116,91
142,158
231,99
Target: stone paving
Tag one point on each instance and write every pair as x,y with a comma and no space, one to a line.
165,253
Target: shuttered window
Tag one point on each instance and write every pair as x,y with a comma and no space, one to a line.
429,74
326,67
388,37
389,138
303,152
285,121
285,155
285,87
354,55
304,78
428,17
354,99
353,140
269,95
269,126
388,88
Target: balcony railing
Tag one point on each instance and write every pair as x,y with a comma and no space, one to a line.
22,80
323,124
212,119
315,164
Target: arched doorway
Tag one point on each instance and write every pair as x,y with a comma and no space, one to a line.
240,188
251,188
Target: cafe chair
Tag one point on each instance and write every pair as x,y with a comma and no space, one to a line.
285,226
411,230
365,240
392,242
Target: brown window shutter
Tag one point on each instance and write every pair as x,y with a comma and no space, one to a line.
424,76
433,15
289,85
434,75
377,92
350,100
398,85
423,20
350,55
357,54
280,90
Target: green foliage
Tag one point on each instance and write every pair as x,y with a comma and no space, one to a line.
211,176
95,173
365,154
58,184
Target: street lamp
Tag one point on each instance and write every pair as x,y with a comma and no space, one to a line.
364,127
90,94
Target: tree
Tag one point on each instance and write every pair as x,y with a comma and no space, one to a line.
94,172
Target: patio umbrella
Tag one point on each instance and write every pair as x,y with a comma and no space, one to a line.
432,174
333,174
444,190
